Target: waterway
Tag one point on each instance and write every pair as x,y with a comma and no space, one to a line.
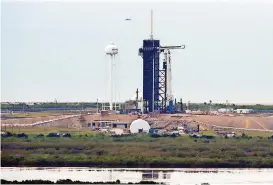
169,176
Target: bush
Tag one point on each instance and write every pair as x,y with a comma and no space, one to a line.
136,151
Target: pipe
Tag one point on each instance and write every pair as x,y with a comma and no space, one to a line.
111,83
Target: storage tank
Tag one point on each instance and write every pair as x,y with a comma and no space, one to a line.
139,126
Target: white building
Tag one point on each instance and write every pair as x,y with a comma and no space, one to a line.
244,111
225,110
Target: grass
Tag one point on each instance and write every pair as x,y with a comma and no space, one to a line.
255,133
95,149
31,115
208,133
40,130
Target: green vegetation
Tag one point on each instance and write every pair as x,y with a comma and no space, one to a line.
200,106
42,106
208,133
206,106
256,107
41,130
95,149
68,181
31,115
255,133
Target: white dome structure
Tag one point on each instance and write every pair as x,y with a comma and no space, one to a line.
139,125
111,49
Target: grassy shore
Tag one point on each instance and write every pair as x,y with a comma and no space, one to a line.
100,150
68,181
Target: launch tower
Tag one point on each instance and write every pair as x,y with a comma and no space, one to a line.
157,81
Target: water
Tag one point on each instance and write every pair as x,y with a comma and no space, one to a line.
169,176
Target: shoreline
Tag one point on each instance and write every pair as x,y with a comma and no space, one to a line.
93,168
145,166
69,181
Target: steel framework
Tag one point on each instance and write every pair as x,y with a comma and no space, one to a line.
155,94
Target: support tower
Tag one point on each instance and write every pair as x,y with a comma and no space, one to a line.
155,97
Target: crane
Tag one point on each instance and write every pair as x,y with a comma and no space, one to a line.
167,60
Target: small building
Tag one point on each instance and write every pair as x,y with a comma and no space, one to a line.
108,124
244,111
120,125
225,110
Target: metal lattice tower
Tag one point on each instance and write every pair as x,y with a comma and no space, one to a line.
155,78
150,54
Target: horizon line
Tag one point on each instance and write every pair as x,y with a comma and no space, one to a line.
184,102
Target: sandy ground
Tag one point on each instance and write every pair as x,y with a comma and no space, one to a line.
251,122
27,120
71,122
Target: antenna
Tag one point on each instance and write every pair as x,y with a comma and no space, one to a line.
153,58
152,25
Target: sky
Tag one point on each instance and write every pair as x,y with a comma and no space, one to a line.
55,49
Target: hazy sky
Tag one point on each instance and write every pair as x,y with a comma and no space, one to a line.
56,49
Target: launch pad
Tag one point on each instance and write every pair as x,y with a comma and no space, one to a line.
157,76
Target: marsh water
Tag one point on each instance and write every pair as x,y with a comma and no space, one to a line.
169,176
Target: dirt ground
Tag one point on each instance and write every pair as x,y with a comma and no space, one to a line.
251,122
70,122
26,120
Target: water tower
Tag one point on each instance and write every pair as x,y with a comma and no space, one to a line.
111,50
